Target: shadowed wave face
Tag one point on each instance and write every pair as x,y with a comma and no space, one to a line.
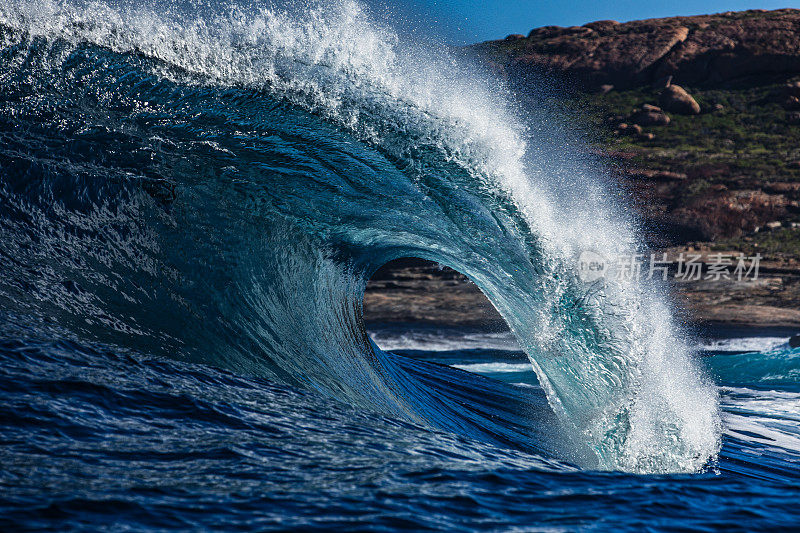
217,185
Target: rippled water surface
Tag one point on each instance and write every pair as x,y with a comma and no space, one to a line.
93,437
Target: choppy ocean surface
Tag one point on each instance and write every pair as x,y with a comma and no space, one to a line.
94,438
192,200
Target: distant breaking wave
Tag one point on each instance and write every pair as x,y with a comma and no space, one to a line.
218,184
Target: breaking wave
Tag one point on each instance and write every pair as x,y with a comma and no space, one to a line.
218,184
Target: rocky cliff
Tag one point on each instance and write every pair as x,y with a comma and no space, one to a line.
699,119
701,114
749,46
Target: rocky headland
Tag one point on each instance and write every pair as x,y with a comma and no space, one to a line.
699,120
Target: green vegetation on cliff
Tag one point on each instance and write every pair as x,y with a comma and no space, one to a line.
700,116
749,138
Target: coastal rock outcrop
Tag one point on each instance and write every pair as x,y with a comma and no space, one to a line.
706,49
675,99
650,117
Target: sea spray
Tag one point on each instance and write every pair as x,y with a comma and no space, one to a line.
319,123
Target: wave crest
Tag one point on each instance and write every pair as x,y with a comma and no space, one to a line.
226,181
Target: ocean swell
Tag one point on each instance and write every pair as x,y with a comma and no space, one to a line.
218,186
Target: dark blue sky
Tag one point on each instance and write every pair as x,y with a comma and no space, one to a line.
469,21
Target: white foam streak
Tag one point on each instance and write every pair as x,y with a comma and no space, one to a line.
439,341
496,368
769,418
744,344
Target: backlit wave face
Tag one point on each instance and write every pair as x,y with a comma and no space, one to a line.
224,183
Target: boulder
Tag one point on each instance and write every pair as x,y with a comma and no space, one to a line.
650,118
629,129
791,103
674,98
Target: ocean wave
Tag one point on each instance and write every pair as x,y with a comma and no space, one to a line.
218,186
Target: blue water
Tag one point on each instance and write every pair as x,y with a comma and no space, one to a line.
192,200
97,438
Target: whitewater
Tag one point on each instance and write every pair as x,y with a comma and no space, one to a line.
193,201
